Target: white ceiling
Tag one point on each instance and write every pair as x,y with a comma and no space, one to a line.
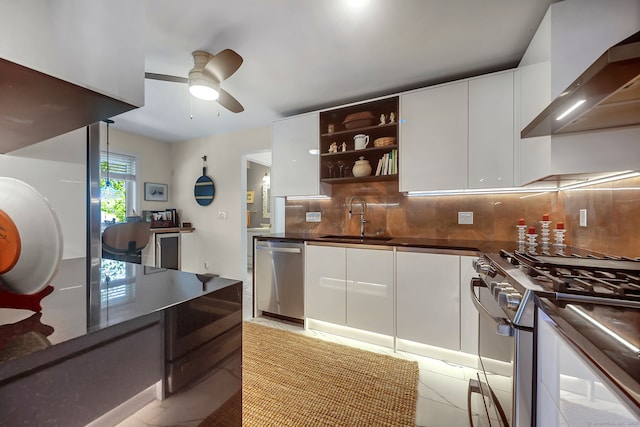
303,55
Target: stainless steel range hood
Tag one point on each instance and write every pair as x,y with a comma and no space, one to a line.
606,95
35,106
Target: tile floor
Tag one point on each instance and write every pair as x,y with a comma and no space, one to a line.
442,390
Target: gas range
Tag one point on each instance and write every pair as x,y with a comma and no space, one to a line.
574,277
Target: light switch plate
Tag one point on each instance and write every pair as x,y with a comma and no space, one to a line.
465,217
583,217
314,216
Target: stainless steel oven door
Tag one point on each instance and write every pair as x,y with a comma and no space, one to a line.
496,349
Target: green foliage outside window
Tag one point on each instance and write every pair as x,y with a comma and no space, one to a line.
114,207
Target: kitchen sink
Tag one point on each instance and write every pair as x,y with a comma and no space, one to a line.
347,238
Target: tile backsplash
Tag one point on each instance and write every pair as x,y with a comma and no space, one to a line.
613,214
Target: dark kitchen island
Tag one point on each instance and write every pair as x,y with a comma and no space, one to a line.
74,361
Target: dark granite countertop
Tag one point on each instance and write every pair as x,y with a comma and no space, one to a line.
134,291
473,247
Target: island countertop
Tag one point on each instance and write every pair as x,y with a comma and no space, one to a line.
127,292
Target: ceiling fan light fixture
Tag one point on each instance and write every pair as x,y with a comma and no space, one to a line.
203,92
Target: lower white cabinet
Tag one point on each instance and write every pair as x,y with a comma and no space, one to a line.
434,304
428,292
370,277
570,391
350,287
325,283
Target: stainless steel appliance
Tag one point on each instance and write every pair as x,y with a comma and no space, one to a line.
605,95
200,333
505,293
279,278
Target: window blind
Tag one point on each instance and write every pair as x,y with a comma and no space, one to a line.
121,166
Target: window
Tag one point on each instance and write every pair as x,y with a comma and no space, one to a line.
118,201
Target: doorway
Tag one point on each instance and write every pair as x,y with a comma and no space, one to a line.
258,205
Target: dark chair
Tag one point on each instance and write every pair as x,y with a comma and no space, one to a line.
125,241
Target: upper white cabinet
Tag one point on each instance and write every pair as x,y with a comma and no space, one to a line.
434,130
294,146
491,127
572,35
97,45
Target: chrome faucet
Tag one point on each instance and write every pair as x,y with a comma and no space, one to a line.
363,211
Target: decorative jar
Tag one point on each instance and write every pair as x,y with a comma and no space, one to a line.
362,167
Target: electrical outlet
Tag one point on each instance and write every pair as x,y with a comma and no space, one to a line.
583,217
314,216
222,215
465,217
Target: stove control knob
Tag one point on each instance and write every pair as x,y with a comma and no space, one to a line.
509,300
498,287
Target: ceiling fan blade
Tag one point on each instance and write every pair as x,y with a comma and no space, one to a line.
224,64
166,78
229,102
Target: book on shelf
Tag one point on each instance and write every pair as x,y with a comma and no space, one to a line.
388,164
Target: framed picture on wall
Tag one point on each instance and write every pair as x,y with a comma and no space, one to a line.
155,192
251,196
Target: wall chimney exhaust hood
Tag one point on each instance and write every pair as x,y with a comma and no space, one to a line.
35,106
606,95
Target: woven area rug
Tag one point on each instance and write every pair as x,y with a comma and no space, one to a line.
290,380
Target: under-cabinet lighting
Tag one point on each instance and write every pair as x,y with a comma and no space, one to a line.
617,177
480,191
604,329
308,198
570,109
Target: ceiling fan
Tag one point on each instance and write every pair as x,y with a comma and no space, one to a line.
206,75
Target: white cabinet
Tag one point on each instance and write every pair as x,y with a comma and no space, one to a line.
294,146
433,300
370,302
97,45
188,253
570,390
434,135
325,283
571,36
469,320
491,131
428,298
350,287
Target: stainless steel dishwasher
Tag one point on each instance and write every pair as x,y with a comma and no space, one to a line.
279,278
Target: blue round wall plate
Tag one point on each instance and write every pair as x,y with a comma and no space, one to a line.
204,190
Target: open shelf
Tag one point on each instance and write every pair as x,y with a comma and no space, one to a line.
335,118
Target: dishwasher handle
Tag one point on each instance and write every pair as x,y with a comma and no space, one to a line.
279,249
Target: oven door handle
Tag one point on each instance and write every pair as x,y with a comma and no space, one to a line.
503,326
478,387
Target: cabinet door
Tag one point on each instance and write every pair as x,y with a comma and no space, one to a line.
97,45
428,298
468,312
187,252
294,169
434,134
370,301
491,125
325,286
